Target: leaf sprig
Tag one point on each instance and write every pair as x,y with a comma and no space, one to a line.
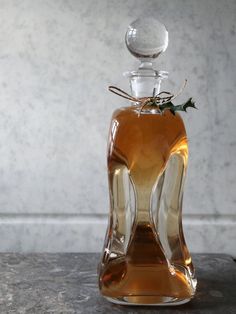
169,105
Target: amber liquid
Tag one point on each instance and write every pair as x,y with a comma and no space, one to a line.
143,274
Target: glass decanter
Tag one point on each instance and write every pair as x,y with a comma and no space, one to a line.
145,258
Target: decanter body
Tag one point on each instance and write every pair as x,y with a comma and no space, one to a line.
145,259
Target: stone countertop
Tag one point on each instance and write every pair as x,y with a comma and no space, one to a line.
67,283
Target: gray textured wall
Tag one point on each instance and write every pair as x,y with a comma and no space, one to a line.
56,59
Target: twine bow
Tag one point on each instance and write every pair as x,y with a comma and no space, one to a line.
157,100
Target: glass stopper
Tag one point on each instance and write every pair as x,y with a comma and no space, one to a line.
146,38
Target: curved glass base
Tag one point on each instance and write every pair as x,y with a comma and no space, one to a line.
147,300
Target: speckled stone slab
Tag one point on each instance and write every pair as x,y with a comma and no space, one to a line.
67,283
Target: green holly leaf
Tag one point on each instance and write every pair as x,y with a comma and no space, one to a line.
169,105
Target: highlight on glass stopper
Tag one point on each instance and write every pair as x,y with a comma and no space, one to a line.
146,38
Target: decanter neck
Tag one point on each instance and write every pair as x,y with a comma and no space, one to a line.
145,82
142,86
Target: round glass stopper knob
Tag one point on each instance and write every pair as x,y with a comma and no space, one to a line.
146,38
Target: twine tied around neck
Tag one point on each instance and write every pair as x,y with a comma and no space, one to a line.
158,100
